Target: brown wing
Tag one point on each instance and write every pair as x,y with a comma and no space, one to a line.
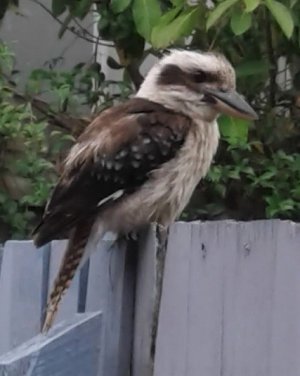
113,158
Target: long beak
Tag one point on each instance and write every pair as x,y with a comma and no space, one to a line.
230,103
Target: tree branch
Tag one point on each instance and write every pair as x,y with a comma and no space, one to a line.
68,123
272,60
135,75
87,35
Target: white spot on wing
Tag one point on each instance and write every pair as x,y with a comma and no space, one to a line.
112,197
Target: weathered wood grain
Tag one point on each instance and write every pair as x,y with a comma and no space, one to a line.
230,304
111,289
1,255
20,293
231,300
71,348
145,304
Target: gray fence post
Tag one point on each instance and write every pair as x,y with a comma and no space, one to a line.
145,304
111,289
1,255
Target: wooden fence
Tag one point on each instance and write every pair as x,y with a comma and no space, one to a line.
230,305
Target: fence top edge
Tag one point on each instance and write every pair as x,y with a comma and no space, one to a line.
42,340
218,222
236,222
14,241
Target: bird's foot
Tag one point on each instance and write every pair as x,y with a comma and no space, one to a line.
131,236
124,239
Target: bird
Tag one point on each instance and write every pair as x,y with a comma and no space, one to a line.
138,162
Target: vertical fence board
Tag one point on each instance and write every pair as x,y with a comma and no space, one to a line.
72,348
20,293
69,303
204,310
83,286
1,255
144,304
248,299
285,316
230,303
172,319
190,325
231,300
111,289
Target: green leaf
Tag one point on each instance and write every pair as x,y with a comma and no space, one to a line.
234,131
251,68
218,11
240,22
58,7
118,6
178,3
293,3
249,171
80,8
282,15
251,5
181,26
146,14
169,16
267,175
165,20
113,64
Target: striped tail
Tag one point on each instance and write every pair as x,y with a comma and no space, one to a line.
68,268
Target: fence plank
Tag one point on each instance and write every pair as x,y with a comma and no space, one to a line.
69,303
144,304
248,306
205,305
83,286
111,289
1,255
20,293
191,306
71,348
284,342
231,300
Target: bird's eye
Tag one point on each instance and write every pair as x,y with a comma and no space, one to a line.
199,76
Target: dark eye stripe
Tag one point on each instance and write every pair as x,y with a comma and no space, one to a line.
173,75
201,76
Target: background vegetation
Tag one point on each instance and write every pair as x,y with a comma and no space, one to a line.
256,172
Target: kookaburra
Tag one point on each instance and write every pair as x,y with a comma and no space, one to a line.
140,161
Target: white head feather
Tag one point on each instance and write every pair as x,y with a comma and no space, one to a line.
180,97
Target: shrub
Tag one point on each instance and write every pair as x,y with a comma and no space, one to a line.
257,169
26,174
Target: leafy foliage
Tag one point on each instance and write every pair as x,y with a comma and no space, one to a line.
26,175
256,171
69,91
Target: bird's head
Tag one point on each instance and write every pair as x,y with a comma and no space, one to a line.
201,82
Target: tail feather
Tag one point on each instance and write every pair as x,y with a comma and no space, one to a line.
53,228
68,268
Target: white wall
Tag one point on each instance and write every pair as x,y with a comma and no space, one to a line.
33,36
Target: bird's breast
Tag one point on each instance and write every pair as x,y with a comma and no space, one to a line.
167,192
177,179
